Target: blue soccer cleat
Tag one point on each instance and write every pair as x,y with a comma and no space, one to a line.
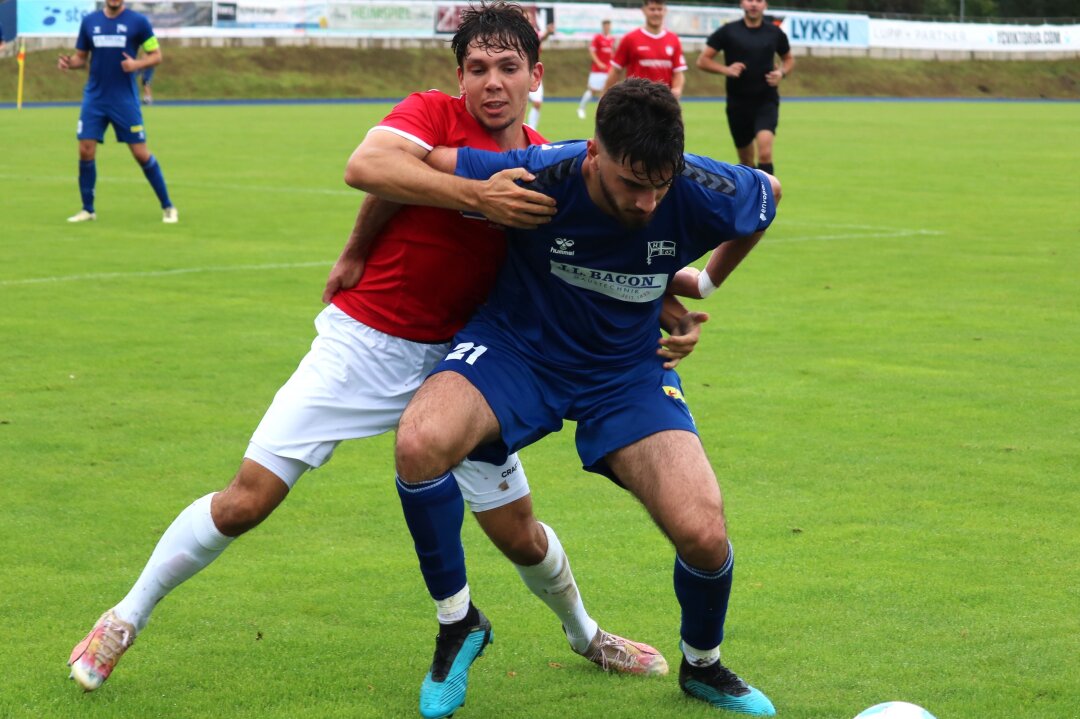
719,686
456,647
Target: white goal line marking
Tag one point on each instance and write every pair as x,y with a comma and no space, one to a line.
162,273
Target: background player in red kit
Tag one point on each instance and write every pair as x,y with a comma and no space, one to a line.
651,52
601,50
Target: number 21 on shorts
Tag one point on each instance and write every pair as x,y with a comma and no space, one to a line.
468,352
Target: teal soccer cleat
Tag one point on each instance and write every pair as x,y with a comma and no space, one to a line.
456,647
719,686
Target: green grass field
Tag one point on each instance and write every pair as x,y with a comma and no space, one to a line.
888,390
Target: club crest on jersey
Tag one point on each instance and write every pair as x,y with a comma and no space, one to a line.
121,28
660,248
563,246
669,50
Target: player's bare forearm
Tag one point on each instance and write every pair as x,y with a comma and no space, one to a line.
613,77
678,81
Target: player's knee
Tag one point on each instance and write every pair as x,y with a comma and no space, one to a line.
241,507
705,546
418,455
522,542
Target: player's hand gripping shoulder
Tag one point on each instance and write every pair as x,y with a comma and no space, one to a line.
501,198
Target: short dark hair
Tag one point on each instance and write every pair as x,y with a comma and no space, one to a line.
496,26
639,121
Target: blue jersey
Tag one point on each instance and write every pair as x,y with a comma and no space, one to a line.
582,290
107,39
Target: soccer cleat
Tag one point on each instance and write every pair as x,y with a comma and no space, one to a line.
170,216
613,653
83,216
719,686
456,647
581,113
147,96
94,658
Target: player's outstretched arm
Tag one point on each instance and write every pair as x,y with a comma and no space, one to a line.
392,167
374,213
502,199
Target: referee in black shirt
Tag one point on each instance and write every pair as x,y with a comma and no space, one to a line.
750,47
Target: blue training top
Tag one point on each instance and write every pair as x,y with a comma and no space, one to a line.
107,39
583,290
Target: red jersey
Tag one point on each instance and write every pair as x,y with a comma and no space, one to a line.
604,47
653,57
429,268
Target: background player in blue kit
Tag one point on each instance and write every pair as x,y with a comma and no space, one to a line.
570,333
111,38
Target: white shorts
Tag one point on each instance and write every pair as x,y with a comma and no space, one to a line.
537,96
597,80
353,383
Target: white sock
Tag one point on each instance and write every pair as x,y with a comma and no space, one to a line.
700,657
553,582
453,608
534,118
585,99
190,543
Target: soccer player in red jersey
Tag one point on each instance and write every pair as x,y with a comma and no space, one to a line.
601,50
408,279
651,52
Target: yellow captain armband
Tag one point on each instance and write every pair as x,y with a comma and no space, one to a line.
151,44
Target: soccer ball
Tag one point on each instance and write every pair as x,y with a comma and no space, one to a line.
894,710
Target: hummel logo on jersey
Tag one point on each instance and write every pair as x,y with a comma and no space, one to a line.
660,248
564,246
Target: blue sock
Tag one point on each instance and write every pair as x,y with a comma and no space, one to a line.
152,170
703,597
434,511
87,180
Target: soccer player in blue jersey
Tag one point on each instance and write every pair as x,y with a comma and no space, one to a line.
571,329
109,41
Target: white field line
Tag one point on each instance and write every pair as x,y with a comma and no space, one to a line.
162,273
70,179
880,233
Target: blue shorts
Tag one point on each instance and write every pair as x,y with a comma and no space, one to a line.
612,408
126,119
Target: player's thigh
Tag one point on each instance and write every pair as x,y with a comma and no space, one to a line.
93,119
740,118
766,117
671,476
491,485
127,122
354,382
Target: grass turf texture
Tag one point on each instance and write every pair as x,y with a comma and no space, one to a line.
887,390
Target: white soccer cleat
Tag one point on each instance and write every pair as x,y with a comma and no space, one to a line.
83,216
94,658
170,216
581,113
613,653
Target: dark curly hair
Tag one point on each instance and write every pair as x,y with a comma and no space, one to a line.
496,26
639,121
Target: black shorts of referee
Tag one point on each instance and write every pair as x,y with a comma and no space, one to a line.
750,114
